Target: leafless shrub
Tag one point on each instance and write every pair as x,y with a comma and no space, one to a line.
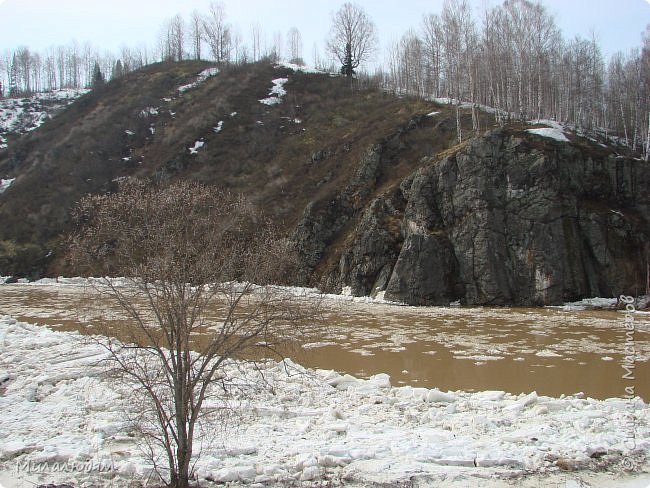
186,250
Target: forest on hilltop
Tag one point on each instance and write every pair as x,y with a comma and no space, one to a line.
513,59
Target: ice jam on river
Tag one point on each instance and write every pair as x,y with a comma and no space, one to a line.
62,421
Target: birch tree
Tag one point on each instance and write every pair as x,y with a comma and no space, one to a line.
432,50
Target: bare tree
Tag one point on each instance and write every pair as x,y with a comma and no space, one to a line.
23,61
171,42
318,61
276,49
432,45
458,32
73,65
196,33
294,46
256,41
183,248
177,36
61,66
240,51
406,65
352,37
218,33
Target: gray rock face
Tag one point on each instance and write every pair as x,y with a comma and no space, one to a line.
322,223
367,263
510,219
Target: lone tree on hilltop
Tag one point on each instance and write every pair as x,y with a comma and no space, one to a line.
352,37
190,255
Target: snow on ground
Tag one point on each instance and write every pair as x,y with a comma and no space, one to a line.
306,425
556,130
461,104
297,67
63,95
195,148
549,132
21,115
4,184
276,93
219,127
551,123
148,112
200,78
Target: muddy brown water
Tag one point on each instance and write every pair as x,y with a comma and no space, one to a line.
551,351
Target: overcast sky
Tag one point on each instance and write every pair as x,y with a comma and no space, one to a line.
110,24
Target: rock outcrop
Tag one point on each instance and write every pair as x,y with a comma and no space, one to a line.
510,218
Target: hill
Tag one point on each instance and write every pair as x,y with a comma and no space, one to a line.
375,190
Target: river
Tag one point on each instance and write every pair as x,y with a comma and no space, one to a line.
552,351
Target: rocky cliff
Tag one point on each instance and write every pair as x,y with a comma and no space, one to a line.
508,218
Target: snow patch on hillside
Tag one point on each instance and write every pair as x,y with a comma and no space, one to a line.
276,93
200,78
21,115
460,104
4,184
195,148
555,130
148,112
549,133
297,67
58,407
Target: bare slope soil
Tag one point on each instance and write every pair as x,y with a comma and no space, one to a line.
377,193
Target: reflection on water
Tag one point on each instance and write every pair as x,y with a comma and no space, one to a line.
512,349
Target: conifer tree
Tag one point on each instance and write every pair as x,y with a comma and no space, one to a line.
13,78
98,77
